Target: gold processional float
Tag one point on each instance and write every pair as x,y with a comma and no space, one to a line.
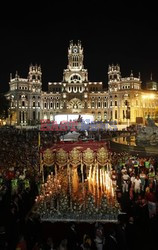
81,189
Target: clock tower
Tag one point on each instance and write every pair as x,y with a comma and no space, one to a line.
75,72
75,56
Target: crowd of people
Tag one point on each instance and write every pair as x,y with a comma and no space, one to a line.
135,179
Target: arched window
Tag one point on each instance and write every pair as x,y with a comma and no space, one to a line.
75,78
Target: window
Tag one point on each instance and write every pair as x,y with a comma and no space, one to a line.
124,114
115,103
104,104
23,104
75,78
38,104
93,104
33,104
45,104
34,115
110,103
115,114
57,105
98,104
51,104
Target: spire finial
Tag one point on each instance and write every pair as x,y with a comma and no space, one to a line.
16,74
131,72
139,76
10,76
151,76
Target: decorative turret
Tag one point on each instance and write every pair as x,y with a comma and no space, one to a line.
114,77
16,75
114,73
151,84
35,73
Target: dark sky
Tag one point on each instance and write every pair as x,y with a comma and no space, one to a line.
109,34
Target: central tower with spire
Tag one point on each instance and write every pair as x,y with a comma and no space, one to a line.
75,72
75,56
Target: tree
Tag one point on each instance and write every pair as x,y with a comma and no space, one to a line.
4,106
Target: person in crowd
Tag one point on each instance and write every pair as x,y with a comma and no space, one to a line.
143,180
111,242
87,243
72,237
137,185
125,181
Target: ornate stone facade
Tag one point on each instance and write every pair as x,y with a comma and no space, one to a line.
123,101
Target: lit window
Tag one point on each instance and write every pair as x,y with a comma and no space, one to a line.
115,114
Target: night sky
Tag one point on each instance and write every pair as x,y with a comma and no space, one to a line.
41,34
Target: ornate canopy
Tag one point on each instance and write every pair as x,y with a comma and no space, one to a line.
75,157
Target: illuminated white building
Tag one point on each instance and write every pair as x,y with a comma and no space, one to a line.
123,101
